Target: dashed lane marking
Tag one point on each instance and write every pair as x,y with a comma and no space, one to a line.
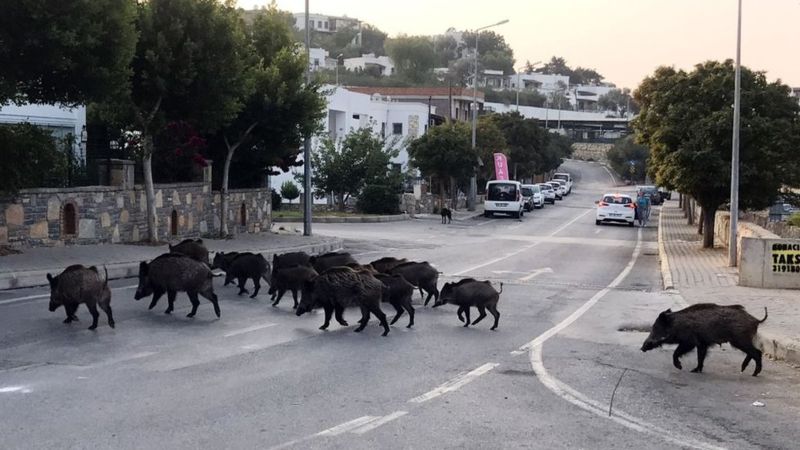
249,329
454,384
381,421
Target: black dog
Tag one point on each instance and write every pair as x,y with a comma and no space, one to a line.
447,216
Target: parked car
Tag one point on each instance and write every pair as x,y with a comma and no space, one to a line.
652,193
618,208
559,190
665,193
503,197
564,186
548,194
537,197
527,198
566,177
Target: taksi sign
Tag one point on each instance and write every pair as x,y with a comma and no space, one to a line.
785,257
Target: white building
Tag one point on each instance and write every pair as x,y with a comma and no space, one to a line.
318,59
324,23
541,82
586,97
382,64
795,92
61,121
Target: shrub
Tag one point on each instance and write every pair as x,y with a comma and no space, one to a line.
794,220
32,158
378,199
289,191
276,200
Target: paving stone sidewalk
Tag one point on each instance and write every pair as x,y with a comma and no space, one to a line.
703,276
29,268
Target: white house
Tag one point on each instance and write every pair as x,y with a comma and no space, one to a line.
383,64
795,92
318,59
61,121
543,83
324,23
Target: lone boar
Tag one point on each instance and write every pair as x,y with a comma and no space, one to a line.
398,292
173,273
703,325
248,266
422,275
385,264
291,279
324,262
222,261
340,287
78,284
471,292
193,248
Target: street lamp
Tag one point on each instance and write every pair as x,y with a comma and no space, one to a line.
737,94
308,199
337,67
473,182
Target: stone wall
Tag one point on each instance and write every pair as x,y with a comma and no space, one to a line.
590,151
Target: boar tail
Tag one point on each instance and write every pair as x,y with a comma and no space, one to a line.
501,288
765,315
105,281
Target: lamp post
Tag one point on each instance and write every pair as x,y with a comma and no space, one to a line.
113,146
337,67
307,197
473,182
737,94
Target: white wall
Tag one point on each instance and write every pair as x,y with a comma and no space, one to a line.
60,120
317,58
361,62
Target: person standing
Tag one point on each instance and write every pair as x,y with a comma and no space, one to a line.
642,208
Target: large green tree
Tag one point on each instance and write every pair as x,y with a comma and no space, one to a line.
493,51
413,57
527,144
618,100
629,159
69,52
445,153
687,119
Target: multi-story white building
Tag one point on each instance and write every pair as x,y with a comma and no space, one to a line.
324,23
60,121
318,59
543,83
382,64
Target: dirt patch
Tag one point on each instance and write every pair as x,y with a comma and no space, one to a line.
5,250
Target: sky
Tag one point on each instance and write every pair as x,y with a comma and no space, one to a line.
625,40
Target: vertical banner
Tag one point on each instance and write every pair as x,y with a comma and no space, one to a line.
500,166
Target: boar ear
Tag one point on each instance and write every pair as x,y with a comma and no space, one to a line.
52,280
143,268
666,316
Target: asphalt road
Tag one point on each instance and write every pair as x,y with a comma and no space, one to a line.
557,373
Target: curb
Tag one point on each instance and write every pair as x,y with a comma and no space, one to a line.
666,272
34,278
356,219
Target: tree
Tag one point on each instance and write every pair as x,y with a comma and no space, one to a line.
581,75
444,152
493,51
687,119
527,143
556,66
33,158
629,159
618,100
345,167
372,40
289,191
413,57
489,139
188,65
527,97
69,52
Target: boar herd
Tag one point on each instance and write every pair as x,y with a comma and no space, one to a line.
331,281
335,281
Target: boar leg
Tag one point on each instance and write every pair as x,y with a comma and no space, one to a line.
328,313
70,311
376,310
279,296
294,297
493,309
702,349
257,283
683,348
95,315
421,295
157,293
242,290
466,315
107,308
399,312
212,297
338,312
171,301
364,319
752,354
195,303
482,311
410,309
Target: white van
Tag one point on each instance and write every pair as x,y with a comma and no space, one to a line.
504,197
566,177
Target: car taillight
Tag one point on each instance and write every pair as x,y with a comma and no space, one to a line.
603,204
630,205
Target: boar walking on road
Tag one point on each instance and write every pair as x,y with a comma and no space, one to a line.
340,287
422,275
173,273
249,266
287,260
324,262
384,265
398,292
291,279
222,261
193,248
470,292
703,325
78,284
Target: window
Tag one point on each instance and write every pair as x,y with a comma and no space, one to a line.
243,215
173,223
502,192
397,128
319,24
356,116
316,62
326,25
383,129
69,219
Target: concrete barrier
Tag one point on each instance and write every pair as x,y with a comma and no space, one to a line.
770,263
722,223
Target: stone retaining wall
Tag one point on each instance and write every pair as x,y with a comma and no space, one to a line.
591,151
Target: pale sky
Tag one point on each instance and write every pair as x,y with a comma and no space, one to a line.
625,40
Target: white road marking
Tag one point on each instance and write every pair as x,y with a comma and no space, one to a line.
249,329
536,273
119,359
485,223
454,384
576,398
597,231
521,249
20,389
381,421
47,295
347,426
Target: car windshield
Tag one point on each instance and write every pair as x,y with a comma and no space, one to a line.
535,189
610,199
527,192
561,176
502,191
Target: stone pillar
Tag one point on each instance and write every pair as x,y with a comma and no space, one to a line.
116,172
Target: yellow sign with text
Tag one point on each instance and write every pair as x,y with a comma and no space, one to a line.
785,258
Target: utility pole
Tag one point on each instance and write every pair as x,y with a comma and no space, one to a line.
307,197
737,94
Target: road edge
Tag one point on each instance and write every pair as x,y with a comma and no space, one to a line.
666,271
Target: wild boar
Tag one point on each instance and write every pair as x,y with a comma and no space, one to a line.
287,260
78,284
398,293
193,248
222,261
471,292
321,263
385,264
340,287
362,267
248,266
173,273
420,274
291,279
703,325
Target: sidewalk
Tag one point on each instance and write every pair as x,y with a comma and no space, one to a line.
29,268
703,276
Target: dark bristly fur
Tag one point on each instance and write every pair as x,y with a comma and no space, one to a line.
470,292
78,284
193,248
291,279
385,264
287,260
447,216
398,292
248,266
172,273
420,274
222,261
321,263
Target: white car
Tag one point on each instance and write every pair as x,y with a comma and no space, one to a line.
558,188
566,177
548,193
504,197
618,208
538,198
563,185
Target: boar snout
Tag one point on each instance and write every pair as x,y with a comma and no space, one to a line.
649,344
53,306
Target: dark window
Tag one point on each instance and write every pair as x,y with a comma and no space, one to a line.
383,129
527,192
502,191
326,25
70,219
356,116
173,225
243,215
319,24
397,128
